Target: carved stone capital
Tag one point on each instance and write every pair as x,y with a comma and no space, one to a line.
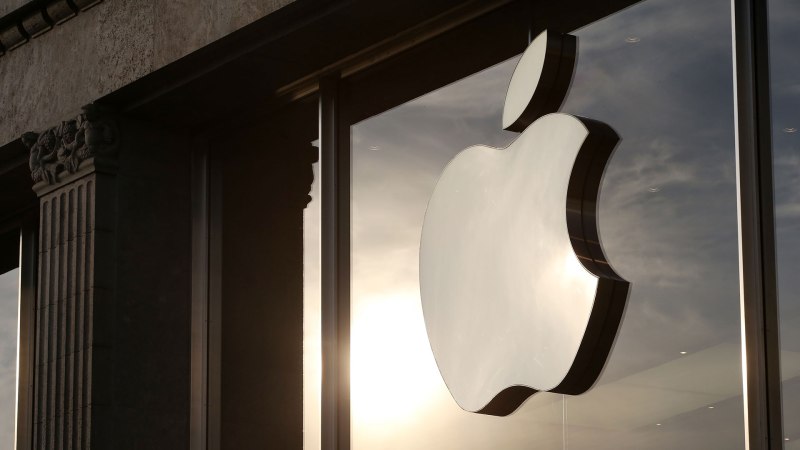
61,150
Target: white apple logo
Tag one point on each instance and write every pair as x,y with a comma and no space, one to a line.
517,294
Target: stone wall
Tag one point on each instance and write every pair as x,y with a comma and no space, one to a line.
105,48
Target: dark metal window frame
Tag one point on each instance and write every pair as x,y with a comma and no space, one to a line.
204,420
758,279
200,354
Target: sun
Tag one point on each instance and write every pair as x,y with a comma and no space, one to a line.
393,373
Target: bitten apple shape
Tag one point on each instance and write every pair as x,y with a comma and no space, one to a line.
517,293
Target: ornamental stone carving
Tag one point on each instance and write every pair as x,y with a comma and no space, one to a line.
64,147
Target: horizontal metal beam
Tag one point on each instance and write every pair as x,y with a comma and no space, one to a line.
390,47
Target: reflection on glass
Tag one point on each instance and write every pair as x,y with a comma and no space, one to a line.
312,364
660,73
9,309
785,85
399,400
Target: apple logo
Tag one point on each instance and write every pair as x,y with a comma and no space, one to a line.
517,293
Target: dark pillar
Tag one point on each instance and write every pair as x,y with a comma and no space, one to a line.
266,176
113,291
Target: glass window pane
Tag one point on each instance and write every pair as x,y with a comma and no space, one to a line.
784,16
660,73
312,332
9,315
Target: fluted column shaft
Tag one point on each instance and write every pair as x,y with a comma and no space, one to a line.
72,296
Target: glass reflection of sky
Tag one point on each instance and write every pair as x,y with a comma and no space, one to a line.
785,74
669,95
667,218
9,298
312,316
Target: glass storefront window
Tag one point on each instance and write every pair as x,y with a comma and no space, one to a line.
785,86
9,313
660,73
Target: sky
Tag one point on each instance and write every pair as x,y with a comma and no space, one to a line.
785,86
9,297
660,73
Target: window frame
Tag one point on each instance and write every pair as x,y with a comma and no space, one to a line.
757,248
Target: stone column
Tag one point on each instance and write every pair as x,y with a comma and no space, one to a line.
113,294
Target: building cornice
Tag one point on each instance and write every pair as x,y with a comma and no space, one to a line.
36,18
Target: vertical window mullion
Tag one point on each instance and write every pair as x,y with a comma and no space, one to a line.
198,423
758,281
335,255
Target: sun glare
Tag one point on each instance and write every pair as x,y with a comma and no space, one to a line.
393,372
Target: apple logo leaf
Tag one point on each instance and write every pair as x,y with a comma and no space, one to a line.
517,293
540,81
